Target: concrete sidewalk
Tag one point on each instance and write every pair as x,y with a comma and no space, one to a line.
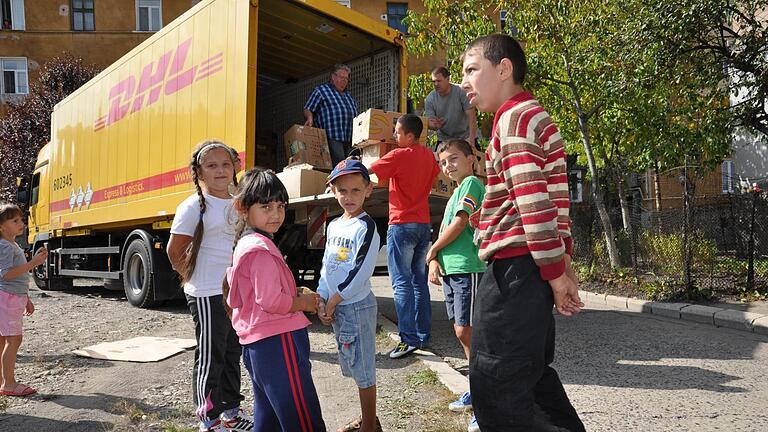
750,317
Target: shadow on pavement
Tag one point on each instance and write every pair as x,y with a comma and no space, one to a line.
32,423
621,349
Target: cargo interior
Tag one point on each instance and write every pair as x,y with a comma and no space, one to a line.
296,50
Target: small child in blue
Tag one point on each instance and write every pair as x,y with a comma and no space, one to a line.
345,287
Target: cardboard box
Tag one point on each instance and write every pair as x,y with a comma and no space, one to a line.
444,186
372,153
301,181
304,144
375,126
480,165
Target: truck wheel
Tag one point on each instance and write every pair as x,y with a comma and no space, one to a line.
137,275
40,273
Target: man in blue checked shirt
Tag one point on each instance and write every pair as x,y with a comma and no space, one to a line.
331,107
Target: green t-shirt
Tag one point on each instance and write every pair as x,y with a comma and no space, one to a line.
461,255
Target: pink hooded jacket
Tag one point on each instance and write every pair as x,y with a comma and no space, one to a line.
261,291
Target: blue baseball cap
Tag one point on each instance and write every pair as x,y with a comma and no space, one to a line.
348,166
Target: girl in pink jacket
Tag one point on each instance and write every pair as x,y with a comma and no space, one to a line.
267,313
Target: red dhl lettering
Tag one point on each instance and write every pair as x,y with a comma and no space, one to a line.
156,77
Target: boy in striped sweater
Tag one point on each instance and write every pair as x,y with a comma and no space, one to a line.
525,237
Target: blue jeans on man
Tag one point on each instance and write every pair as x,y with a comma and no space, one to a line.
339,150
407,246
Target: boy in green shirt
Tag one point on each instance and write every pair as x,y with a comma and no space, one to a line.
453,258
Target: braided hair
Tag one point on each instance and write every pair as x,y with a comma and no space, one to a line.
189,261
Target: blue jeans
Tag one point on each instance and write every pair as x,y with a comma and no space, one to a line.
407,246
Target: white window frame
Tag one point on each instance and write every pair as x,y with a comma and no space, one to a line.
18,73
345,3
576,195
504,22
17,16
727,175
149,4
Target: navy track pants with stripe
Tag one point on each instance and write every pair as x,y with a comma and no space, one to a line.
216,374
284,395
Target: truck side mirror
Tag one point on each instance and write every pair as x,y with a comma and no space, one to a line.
22,196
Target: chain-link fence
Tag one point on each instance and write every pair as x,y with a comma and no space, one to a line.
725,241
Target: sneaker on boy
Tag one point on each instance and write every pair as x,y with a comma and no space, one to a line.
348,303
237,421
401,350
473,426
462,404
411,170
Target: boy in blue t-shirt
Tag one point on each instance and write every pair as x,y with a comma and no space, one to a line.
345,288
453,258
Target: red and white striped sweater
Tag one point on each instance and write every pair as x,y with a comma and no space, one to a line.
526,205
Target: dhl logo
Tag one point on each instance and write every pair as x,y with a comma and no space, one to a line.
156,77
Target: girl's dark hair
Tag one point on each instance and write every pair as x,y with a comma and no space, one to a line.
496,47
187,267
258,186
9,211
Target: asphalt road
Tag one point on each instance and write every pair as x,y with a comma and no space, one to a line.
628,371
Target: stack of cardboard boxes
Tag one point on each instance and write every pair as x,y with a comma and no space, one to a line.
373,132
309,161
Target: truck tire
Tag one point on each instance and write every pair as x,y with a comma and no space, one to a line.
137,275
40,273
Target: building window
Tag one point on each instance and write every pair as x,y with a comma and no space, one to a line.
149,15
82,15
14,72
395,14
347,3
506,23
727,172
12,14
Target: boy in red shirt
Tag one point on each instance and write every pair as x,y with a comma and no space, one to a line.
411,169
526,239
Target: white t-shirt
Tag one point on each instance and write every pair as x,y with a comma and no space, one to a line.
218,241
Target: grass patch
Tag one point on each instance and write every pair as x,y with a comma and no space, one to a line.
382,338
172,427
423,377
134,414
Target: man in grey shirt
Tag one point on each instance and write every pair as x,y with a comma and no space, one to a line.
448,109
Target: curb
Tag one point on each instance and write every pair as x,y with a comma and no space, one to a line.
717,317
448,376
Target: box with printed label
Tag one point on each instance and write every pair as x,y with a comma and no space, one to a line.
375,125
443,186
304,144
301,181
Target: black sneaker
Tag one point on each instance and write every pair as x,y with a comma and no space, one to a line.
402,349
242,422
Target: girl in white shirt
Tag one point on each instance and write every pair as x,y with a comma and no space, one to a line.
200,249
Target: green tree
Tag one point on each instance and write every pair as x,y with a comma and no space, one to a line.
27,125
732,35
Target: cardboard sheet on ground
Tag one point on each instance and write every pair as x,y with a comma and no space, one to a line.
139,349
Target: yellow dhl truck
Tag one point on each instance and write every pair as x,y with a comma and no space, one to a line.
105,189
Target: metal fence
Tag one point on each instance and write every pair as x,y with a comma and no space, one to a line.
727,243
